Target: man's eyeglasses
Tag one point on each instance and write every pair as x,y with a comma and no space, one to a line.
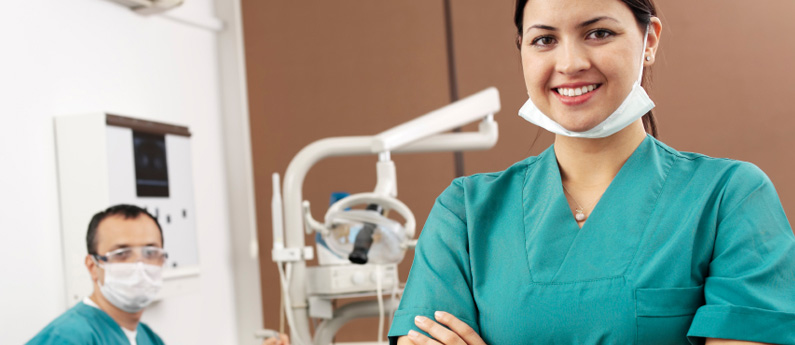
147,254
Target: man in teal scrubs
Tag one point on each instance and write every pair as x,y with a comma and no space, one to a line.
681,247
125,258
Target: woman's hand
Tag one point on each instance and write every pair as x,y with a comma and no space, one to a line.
282,340
459,332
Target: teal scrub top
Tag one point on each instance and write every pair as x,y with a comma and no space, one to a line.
680,247
87,325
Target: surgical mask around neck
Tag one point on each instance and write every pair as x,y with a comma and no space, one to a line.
131,286
635,105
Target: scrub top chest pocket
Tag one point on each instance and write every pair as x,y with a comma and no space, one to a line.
664,315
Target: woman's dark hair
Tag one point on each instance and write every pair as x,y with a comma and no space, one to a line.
643,10
126,211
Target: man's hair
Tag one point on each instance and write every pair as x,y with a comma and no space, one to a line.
126,211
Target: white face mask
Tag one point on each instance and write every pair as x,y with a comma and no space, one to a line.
634,107
131,286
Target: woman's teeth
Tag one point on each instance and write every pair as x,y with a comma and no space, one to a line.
577,91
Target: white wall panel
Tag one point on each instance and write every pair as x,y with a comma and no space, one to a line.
80,56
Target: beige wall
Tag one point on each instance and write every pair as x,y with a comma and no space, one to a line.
330,68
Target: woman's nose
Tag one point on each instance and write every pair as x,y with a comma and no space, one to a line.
572,59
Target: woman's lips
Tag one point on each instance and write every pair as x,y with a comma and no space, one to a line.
568,95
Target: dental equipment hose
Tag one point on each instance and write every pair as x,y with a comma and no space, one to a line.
394,296
281,313
381,308
364,239
282,307
284,278
379,272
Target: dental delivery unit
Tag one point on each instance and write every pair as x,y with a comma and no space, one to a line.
359,249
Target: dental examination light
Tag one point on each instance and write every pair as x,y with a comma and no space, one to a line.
359,248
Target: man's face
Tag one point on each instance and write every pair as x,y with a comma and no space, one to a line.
116,232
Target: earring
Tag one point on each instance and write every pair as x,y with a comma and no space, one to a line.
648,58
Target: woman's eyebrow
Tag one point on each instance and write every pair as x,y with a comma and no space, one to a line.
596,20
582,25
542,27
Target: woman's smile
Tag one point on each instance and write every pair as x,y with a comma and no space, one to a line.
576,94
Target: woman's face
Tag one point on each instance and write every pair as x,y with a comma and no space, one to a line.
580,58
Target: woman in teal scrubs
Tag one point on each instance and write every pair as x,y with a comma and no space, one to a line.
608,236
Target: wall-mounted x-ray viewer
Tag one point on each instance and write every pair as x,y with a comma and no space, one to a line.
151,165
105,160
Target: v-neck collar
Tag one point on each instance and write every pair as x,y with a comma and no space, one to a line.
103,321
558,249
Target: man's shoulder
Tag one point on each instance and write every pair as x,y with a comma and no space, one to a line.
71,327
81,324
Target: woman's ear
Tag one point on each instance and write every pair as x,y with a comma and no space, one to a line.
652,41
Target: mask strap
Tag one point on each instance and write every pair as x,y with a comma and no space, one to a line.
643,54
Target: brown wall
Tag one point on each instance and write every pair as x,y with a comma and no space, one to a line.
332,68
318,69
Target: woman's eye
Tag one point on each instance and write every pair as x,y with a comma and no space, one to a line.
600,34
543,41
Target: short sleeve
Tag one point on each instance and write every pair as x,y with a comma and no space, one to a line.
750,290
440,276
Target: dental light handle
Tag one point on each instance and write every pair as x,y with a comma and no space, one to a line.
364,239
